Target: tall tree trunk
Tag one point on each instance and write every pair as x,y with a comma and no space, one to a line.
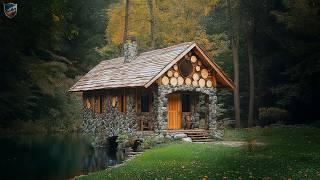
152,23
235,28
236,95
126,19
251,73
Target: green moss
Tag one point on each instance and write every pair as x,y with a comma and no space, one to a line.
289,152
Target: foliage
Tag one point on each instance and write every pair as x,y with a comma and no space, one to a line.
193,161
269,115
148,142
46,46
175,23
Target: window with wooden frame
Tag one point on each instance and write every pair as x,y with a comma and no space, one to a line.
119,102
145,102
100,104
92,103
186,103
122,103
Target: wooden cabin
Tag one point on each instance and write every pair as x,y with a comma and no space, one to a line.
173,88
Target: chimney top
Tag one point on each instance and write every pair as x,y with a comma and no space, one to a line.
130,49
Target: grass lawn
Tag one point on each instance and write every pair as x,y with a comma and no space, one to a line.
289,153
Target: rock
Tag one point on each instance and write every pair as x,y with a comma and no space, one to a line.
169,137
159,138
180,136
187,139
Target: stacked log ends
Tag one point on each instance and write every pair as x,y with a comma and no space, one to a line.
173,81
204,73
165,80
175,67
209,83
193,59
195,83
188,81
200,75
198,68
202,83
180,80
176,74
195,76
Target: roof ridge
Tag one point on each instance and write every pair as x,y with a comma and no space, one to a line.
176,45
146,52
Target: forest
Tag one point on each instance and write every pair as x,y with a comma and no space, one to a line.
269,48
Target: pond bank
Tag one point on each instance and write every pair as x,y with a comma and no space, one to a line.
52,156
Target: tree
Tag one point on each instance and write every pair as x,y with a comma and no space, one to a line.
251,72
249,12
174,22
234,23
152,23
126,21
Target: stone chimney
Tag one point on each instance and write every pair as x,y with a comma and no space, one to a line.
130,49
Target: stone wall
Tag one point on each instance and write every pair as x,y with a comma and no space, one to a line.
112,122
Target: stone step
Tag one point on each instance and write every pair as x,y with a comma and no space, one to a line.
203,140
196,135
198,138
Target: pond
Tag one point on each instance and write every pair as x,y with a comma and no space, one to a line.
52,156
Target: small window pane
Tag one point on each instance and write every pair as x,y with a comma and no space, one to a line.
185,68
186,103
145,102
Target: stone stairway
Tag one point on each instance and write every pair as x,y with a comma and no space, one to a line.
199,136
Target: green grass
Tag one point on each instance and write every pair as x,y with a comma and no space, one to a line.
289,153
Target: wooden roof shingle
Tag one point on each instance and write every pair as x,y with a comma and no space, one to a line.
115,73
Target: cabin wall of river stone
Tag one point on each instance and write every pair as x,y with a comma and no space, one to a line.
111,122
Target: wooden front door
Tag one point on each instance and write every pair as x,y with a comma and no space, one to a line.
174,111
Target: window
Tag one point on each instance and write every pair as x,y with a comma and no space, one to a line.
100,104
185,68
144,101
122,103
186,103
86,103
119,102
114,101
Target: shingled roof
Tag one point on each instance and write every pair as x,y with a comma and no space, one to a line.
140,72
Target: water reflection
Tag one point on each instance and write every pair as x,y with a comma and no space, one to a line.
52,157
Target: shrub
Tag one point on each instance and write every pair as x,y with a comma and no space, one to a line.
148,142
269,115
